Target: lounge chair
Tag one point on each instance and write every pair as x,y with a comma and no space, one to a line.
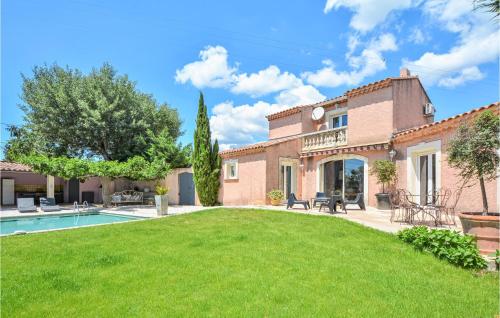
26,205
320,198
292,200
357,200
49,205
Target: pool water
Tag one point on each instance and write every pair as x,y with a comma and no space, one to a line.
40,223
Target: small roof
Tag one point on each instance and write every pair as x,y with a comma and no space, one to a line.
257,147
447,120
14,166
297,109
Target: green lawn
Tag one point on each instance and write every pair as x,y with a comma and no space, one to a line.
229,262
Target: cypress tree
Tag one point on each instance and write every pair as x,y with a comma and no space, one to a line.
206,159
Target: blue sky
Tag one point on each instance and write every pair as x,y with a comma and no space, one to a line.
252,58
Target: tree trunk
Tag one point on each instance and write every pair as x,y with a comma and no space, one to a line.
483,194
108,188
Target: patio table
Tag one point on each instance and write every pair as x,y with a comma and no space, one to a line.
338,199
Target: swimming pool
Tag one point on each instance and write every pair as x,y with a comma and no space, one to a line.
41,223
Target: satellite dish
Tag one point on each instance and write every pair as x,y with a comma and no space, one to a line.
318,113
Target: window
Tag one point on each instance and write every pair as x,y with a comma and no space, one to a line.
231,170
338,121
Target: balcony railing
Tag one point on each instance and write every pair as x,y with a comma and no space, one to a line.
331,138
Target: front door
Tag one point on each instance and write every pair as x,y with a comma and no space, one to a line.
186,189
426,178
74,190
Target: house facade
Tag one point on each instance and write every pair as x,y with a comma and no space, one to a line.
330,146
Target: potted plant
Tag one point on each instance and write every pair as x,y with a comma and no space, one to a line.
161,200
385,171
473,152
276,196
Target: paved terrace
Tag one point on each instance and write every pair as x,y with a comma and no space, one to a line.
372,217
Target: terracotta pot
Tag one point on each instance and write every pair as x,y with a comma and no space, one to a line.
486,229
275,202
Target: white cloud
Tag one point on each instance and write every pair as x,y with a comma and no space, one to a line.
478,39
368,63
301,95
467,74
243,124
368,13
211,71
266,81
417,36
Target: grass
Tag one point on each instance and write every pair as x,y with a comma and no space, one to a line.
230,262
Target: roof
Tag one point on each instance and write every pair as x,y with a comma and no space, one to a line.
297,109
455,118
368,88
257,147
14,166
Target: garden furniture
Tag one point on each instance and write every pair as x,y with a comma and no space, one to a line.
26,205
292,200
49,205
357,200
332,203
319,198
126,196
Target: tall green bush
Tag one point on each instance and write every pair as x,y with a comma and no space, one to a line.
473,151
206,159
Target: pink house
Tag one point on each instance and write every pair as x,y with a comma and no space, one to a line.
330,146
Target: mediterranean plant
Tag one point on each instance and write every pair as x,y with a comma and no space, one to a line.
385,171
473,151
206,160
161,190
275,194
458,249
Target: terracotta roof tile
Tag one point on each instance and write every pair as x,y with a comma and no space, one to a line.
257,147
14,166
446,120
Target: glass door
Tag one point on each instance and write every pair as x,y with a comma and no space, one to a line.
344,177
288,179
426,178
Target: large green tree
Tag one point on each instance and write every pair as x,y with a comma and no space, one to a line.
100,115
206,159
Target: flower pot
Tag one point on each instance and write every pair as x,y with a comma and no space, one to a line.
486,229
275,202
161,202
383,201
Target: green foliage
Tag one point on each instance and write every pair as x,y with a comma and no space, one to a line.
163,146
206,159
492,6
275,194
99,115
135,168
385,171
473,150
459,250
161,190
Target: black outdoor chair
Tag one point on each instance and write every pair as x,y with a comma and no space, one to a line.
320,198
357,200
331,203
292,200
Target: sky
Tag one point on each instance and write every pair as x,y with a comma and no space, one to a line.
256,57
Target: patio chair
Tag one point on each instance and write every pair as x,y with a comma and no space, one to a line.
49,205
292,200
26,205
396,202
449,210
357,200
320,198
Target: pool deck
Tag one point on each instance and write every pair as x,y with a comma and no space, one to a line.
372,217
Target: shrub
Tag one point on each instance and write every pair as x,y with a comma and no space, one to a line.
161,190
275,194
459,250
385,171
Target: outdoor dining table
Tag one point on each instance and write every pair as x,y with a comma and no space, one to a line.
433,210
337,198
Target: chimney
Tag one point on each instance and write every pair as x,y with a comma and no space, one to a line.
404,72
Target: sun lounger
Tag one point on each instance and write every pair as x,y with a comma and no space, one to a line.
49,205
26,205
